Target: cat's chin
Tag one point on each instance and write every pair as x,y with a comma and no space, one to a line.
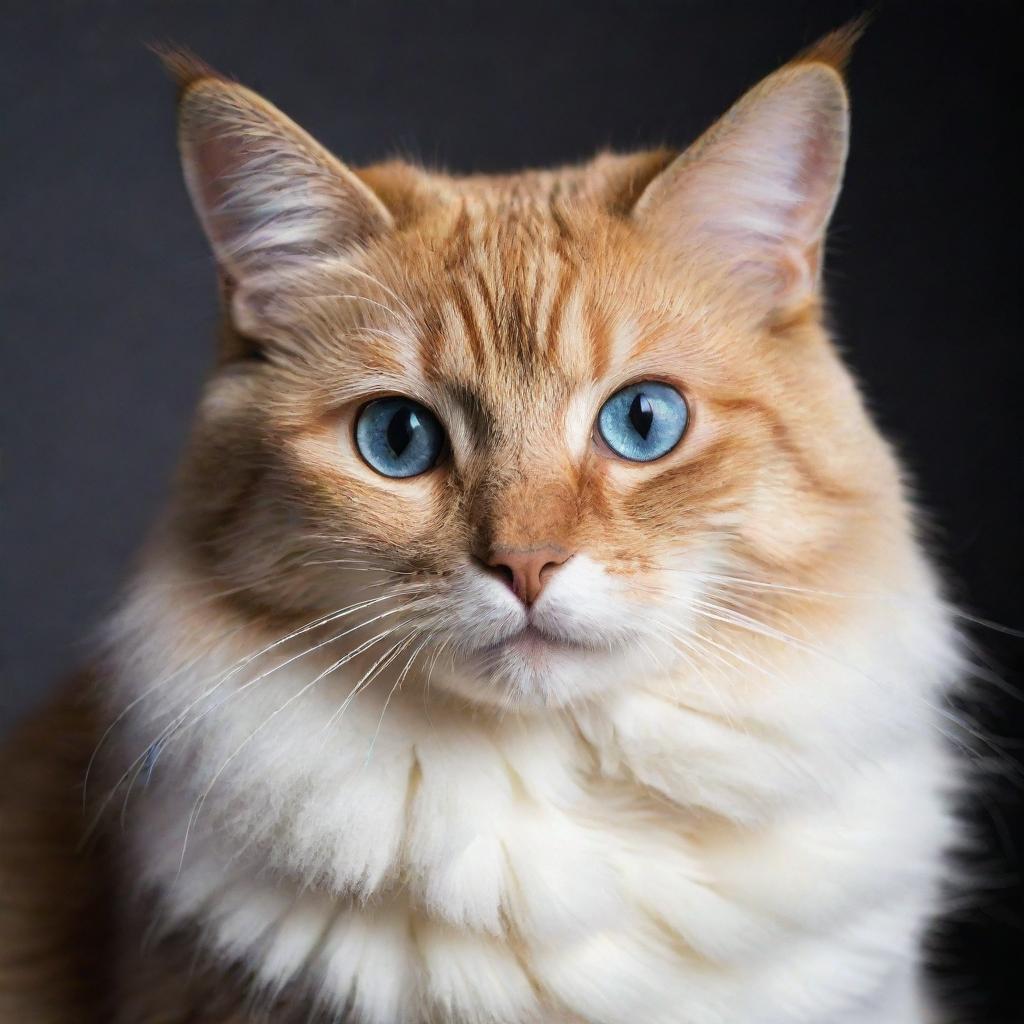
533,669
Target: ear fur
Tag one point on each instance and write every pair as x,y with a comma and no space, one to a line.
266,193
755,193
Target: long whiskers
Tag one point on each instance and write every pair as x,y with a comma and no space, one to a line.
344,659
181,722
398,682
720,613
877,595
164,680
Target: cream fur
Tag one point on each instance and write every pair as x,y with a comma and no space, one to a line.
686,849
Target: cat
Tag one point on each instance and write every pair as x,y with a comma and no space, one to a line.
538,631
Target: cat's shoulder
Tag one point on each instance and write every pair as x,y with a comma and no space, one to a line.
54,887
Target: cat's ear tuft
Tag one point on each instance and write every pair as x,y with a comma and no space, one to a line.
182,65
755,193
835,48
267,194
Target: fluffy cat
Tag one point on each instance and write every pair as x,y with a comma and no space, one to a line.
538,631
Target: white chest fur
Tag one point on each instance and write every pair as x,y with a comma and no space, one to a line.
658,856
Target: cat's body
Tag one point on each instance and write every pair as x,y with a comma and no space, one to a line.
379,758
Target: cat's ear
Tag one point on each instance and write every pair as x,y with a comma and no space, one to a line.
756,191
267,193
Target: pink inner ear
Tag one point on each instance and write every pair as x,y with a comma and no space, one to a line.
266,193
814,186
755,194
216,161
213,159
817,180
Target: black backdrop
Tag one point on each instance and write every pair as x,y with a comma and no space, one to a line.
108,294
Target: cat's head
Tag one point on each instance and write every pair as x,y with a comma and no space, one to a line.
526,427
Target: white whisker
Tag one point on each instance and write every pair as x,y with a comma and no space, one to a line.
179,724
398,682
197,809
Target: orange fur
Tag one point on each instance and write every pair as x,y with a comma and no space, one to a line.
512,306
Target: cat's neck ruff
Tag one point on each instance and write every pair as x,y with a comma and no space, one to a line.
663,853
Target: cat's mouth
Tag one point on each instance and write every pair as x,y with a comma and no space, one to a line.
532,641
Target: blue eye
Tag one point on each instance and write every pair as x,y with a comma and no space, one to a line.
398,437
644,421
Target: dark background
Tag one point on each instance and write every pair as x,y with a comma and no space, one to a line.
108,299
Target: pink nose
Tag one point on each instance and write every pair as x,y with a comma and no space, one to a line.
527,570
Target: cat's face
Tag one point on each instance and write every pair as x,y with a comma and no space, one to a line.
524,428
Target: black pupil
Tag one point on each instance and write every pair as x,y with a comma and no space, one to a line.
400,429
641,415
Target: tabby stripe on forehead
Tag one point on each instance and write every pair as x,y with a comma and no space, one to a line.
461,245
464,304
518,323
600,343
526,280
565,234
431,341
539,283
556,313
488,300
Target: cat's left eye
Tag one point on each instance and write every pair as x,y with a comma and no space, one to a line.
398,437
644,421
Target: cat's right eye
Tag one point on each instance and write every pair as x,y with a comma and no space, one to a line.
644,421
398,437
